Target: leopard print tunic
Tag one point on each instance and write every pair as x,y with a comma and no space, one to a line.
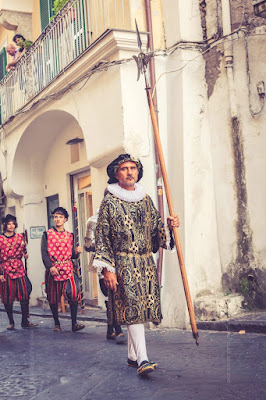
127,234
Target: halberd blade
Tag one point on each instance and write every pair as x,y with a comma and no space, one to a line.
138,36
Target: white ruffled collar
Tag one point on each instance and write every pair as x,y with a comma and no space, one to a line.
127,195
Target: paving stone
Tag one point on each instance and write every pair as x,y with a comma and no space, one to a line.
40,364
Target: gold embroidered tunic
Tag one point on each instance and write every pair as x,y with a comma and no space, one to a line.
127,234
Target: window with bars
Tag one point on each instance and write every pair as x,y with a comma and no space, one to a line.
3,63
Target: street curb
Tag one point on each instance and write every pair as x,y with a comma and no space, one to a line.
220,326
63,316
233,326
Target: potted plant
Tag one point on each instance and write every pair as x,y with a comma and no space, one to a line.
24,44
58,5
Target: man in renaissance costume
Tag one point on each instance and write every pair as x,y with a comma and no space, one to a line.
14,282
60,278
129,230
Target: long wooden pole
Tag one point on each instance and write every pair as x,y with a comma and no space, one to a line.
158,167
172,213
83,305
76,239
25,237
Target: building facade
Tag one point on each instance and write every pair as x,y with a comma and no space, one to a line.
73,103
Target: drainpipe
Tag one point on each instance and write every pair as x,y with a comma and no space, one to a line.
228,55
158,168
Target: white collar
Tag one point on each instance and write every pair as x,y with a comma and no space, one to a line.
127,195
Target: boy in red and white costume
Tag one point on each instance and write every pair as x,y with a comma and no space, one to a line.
14,282
60,278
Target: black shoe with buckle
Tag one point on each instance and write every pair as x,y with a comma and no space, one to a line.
134,364
145,368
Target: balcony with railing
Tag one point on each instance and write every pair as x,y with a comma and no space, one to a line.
75,28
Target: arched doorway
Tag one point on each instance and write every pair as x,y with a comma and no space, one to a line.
45,159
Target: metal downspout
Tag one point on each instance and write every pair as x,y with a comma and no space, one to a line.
158,168
228,55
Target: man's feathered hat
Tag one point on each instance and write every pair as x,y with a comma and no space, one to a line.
114,165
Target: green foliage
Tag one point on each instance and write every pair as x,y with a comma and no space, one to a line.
244,286
58,4
24,44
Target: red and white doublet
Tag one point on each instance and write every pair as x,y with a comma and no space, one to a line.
59,245
11,252
16,284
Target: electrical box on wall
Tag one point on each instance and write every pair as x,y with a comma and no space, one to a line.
260,8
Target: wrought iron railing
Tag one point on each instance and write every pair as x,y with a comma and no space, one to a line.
74,28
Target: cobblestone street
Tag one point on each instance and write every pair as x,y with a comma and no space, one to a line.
40,364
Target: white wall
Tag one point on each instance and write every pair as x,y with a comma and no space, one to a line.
17,5
181,21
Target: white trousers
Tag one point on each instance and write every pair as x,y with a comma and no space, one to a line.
136,343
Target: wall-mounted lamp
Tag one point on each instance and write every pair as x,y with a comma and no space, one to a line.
74,149
75,140
260,8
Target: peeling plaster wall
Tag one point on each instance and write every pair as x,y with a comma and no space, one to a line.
190,162
23,21
238,148
229,149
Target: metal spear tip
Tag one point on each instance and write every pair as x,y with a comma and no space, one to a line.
138,36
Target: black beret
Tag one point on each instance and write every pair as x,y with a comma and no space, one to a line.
61,210
114,165
9,218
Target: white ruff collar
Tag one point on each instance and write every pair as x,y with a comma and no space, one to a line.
127,195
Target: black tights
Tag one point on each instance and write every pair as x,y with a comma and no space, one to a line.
24,304
9,311
73,310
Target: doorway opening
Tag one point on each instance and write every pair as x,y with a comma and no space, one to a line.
82,195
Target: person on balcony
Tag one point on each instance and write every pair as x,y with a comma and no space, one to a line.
57,249
129,230
15,53
14,282
24,44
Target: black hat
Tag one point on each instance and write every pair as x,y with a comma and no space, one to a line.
9,218
113,167
61,210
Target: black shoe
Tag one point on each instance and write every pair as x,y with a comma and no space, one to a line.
77,327
57,328
120,338
110,336
132,363
145,368
28,324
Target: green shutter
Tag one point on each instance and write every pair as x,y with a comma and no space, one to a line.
46,12
3,63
